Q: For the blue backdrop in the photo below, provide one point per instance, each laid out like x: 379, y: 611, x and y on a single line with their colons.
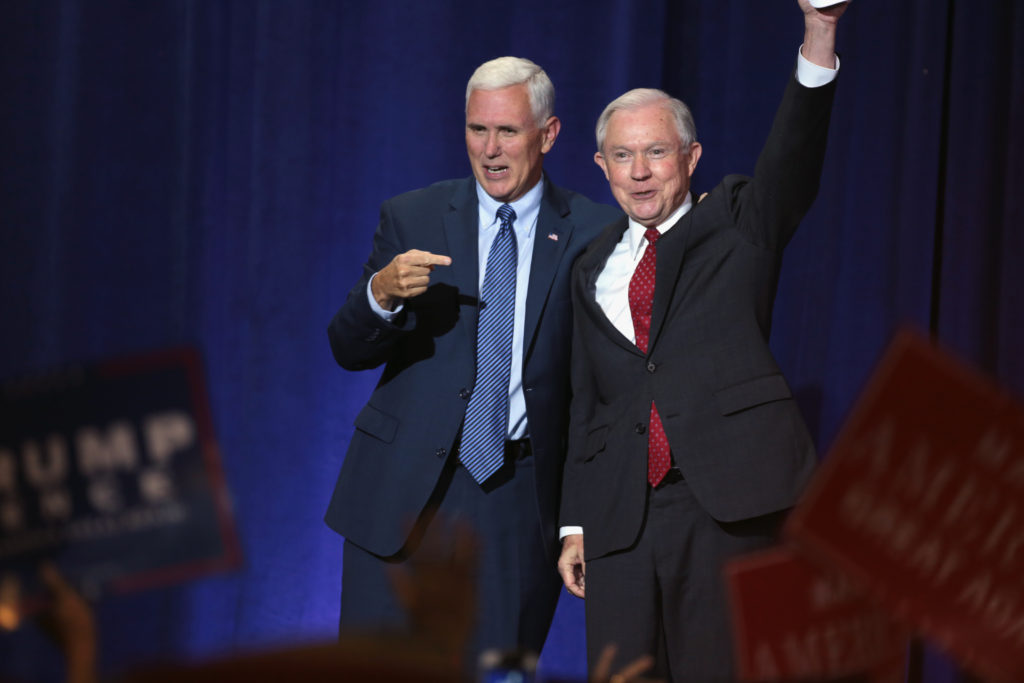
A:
x: 209, y: 173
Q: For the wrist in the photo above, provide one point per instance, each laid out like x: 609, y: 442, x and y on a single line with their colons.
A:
x: 819, y: 44
x: 383, y: 300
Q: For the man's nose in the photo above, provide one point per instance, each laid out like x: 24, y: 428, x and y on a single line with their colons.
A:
x: 492, y: 148
x: 639, y: 169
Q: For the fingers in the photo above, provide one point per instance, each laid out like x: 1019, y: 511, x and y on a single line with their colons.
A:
x: 571, y: 565
x: 418, y: 264
x: 403, y: 586
x: 10, y: 602
x: 579, y: 588
x: 603, y: 668
x: 426, y: 259
x: 407, y: 275
x: 602, y: 671
x: 566, y: 568
x: 633, y: 670
x: 52, y: 579
x: 573, y: 580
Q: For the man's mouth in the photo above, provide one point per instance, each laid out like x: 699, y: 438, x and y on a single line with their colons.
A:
x: 641, y: 196
x: 496, y: 171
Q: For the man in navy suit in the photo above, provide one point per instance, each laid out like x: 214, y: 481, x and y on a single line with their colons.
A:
x: 686, y: 446
x: 416, y: 310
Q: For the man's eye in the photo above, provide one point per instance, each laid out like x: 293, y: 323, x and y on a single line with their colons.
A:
x: 657, y: 152
x: 507, y: 132
x: 620, y: 156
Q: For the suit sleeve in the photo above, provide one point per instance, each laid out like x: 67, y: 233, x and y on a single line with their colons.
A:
x: 360, y: 339
x: 581, y: 410
x: 768, y: 209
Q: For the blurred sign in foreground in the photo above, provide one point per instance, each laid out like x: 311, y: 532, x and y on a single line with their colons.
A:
x: 111, y: 470
x: 795, y: 622
x: 920, y: 502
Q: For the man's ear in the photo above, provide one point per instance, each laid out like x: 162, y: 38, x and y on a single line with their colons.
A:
x: 551, y: 130
x: 695, y: 150
x: 599, y: 160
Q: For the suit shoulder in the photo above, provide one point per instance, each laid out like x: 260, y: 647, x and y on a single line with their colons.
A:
x: 725, y: 193
x: 605, y: 235
x: 585, y: 211
x: 436, y: 194
x: 581, y: 203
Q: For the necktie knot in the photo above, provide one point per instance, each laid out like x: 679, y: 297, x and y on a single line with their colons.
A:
x: 652, y: 235
x: 506, y: 214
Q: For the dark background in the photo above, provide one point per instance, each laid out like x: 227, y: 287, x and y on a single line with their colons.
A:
x: 209, y: 172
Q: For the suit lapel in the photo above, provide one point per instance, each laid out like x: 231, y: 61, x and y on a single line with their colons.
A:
x: 461, y: 227
x: 671, y: 252
x: 591, y: 263
x: 550, y: 239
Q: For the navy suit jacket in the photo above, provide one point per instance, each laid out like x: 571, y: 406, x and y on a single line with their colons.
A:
x: 735, y: 431
x: 407, y: 430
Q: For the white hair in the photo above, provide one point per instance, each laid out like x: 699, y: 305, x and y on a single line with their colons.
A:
x: 505, y: 71
x: 641, y: 97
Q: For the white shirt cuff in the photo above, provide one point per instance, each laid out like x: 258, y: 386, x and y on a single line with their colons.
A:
x: 382, y: 312
x: 568, y: 531
x: 811, y: 75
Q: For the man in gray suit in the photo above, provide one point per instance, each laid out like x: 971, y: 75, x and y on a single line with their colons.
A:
x: 469, y: 419
x: 686, y: 446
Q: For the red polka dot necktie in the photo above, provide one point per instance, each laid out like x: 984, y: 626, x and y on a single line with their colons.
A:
x: 641, y: 302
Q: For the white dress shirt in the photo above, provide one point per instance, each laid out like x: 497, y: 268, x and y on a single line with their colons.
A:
x: 612, y: 286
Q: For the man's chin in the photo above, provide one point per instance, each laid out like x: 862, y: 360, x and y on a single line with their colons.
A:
x: 646, y: 219
x: 504, y: 192
x: 498, y: 189
x: 643, y: 212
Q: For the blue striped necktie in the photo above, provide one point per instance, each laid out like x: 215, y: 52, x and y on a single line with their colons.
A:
x: 482, y: 450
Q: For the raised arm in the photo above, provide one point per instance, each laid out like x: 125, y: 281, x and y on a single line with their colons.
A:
x: 820, y: 33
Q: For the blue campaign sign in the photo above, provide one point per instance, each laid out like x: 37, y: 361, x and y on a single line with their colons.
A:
x: 111, y: 470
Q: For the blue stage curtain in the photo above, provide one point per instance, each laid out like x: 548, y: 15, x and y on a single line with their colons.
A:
x: 209, y: 172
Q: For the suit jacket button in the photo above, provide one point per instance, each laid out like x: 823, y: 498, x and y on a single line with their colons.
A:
x: 464, y: 393
x: 640, y: 428
x: 441, y: 452
x: 651, y: 367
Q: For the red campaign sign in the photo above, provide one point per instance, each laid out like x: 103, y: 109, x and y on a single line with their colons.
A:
x: 921, y: 503
x: 795, y: 622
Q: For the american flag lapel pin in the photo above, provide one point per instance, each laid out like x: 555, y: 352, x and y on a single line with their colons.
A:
x: 553, y: 237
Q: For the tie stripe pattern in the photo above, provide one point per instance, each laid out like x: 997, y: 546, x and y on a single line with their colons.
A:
x: 641, y: 303
x: 482, y: 449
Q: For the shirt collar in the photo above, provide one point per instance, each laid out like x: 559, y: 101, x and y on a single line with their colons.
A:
x: 526, y: 207
x: 636, y: 231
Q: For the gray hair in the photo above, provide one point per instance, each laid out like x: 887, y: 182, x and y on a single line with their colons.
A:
x: 641, y: 97
x: 505, y: 71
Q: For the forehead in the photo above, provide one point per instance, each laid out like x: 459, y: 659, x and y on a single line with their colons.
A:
x: 642, y: 125
x: 508, y: 105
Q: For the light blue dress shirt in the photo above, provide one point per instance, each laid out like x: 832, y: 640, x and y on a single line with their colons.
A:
x: 527, y: 210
